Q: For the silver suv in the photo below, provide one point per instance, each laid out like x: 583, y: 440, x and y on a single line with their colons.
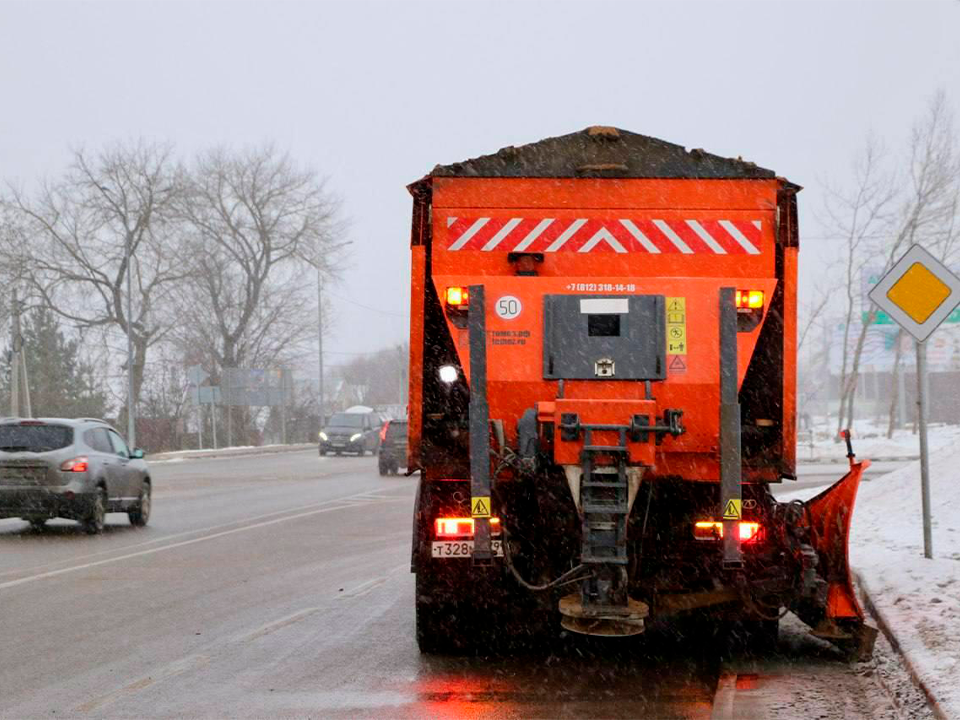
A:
x: 77, y: 469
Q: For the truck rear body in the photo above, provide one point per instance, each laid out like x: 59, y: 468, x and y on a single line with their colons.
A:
x: 603, y: 348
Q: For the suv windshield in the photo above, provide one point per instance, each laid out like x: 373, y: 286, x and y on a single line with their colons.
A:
x: 34, y: 438
x: 349, y: 420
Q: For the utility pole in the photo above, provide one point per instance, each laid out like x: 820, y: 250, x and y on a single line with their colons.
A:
x: 320, y: 339
x: 15, y: 358
x: 283, y: 407
x: 131, y: 419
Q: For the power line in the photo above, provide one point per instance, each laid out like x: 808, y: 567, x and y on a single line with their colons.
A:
x: 367, y: 307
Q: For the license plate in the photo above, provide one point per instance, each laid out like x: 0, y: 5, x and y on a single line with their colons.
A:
x: 337, y: 445
x: 462, y: 548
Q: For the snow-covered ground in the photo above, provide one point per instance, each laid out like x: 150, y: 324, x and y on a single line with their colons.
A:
x: 870, y: 441
x: 918, y: 598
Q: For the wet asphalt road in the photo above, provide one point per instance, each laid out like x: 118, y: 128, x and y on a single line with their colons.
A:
x: 279, y: 585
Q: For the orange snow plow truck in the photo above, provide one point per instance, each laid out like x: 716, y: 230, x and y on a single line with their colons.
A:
x: 602, y: 390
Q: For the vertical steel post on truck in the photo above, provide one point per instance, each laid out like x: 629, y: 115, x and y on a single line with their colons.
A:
x: 479, y: 429
x: 730, y: 492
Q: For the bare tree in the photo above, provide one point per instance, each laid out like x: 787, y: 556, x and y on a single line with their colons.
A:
x: 858, y: 217
x: 885, y: 214
x: 83, y: 226
x: 931, y: 204
x: 254, y: 217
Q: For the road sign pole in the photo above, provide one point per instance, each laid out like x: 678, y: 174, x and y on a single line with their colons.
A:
x: 199, y: 422
x: 213, y: 418
x: 922, y: 391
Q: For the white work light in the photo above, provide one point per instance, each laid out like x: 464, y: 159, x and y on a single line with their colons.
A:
x: 448, y: 374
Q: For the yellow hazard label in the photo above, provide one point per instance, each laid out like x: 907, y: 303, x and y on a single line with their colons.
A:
x: 676, y: 326
x: 731, y: 511
x: 480, y: 506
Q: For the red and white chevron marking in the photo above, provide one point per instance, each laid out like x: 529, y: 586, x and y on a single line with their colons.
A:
x: 688, y: 237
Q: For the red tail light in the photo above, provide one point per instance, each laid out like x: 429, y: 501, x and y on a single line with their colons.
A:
x: 383, y: 431
x: 712, y: 530
x: 456, y: 527
x: 77, y: 464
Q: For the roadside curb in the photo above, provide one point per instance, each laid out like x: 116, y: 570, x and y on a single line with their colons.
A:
x: 843, y: 460
x: 888, y: 633
x: 230, y: 452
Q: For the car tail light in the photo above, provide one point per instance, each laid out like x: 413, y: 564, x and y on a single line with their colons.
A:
x: 383, y: 431
x: 456, y: 527
x: 713, y: 530
x: 749, y: 300
x: 457, y: 297
x: 77, y: 464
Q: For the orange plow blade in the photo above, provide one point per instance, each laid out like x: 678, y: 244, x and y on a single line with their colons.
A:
x: 827, y: 517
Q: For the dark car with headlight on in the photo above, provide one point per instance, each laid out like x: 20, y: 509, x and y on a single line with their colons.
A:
x: 76, y: 469
x: 351, y: 432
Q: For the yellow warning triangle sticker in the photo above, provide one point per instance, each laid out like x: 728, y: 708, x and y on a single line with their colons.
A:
x: 480, y: 506
x: 731, y: 511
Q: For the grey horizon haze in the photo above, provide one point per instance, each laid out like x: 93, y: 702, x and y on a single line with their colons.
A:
x: 373, y: 95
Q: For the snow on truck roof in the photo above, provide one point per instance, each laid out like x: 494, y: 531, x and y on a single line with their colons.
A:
x: 600, y: 151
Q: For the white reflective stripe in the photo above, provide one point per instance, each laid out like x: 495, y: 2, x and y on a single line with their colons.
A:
x: 502, y: 233
x: 604, y: 306
x: 739, y: 237
x: 756, y: 224
x: 451, y: 221
x: 602, y: 234
x: 566, y: 234
x: 673, y: 237
x: 706, y: 237
x: 533, y: 235
x: 639, y: 236
x: 469, y: 233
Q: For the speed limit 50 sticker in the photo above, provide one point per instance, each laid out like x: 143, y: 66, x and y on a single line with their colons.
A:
x: 508, y: 307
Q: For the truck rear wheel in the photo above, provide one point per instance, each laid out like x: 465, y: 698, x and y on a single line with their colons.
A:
x: 442, y: 627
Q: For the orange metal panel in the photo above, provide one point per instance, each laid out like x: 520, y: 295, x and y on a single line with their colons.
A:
x: 415, y: 390
x: 789, y: 421
x: 583, y: 193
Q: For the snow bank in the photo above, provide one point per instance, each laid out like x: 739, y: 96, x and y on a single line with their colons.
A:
x: 870, y: 441
x: 918, y: 598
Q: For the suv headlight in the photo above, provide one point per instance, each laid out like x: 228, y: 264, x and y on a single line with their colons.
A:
x: 323, y: 435
x: 355, y: 437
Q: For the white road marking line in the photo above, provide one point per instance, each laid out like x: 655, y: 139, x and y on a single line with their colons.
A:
x: 469, y: 233
x: 640, y: 237
x: 724, y: 697
x: 177, y: 667
x: 283, y: 622
x: 533, y: 235
x: 739, y: 237
x: 501, y: 234
x: 673, y: 237
x: 567, y: 234
x: 701, y: 231
x: 63, y: 571
x: 185, y: 533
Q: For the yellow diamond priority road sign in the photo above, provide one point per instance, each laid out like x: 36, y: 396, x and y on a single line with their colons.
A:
x: 918, y: 292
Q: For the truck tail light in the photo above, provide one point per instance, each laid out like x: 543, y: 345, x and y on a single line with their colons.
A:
x: 457, y: 297
x: 749, y: 300
x: 383, y: 431
x: 713, y: 530
x: 77, y: 464
x: 459, y: 527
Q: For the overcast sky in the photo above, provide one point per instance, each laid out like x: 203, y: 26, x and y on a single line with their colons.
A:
x: 373, y: 95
